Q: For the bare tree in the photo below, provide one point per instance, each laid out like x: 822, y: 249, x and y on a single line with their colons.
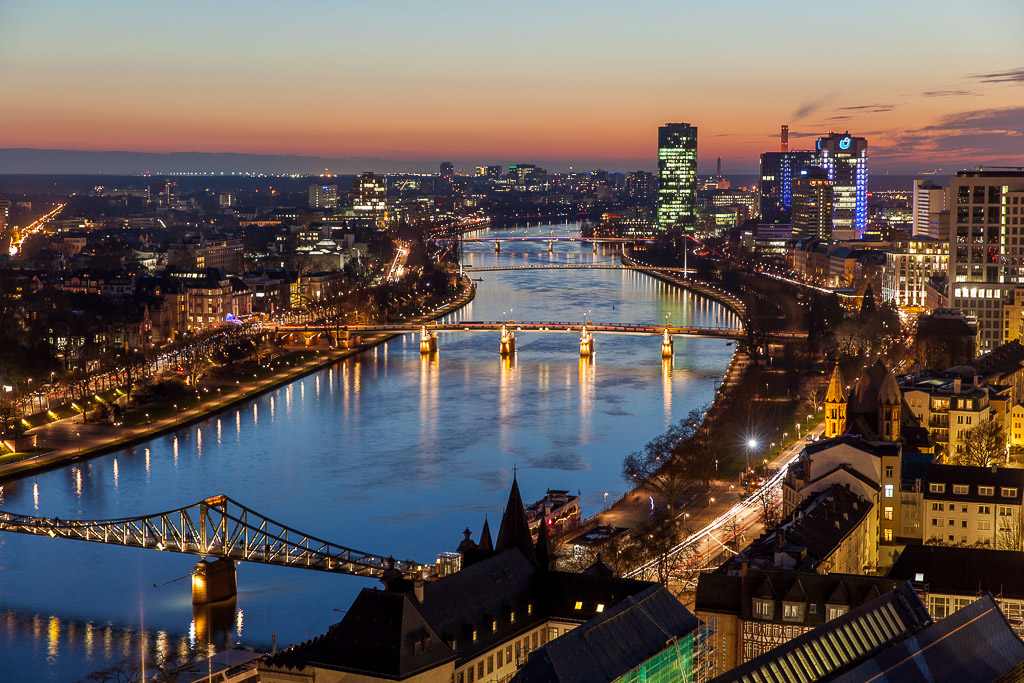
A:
x: 195, y: 362
x: 1010, y: 534
x: 11, y: 410
x: 984, y: 444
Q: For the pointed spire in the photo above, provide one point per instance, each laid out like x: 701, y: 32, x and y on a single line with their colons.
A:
x: 836, y: 393
x: 889, y: 394
x: 486, y: 544
x: 514, y: 531
x: 545, y: 556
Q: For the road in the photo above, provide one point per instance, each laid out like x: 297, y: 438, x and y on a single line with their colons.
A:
x: 32, y: 228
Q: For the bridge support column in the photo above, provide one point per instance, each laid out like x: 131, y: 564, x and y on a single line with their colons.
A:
x: 586, y: 343
x: 428, y: 341
x: 497, y: 245
x: 595, y: 247
x: 666, y: 345
x: 214, y: 581
x: 507, y: 345
x: 551, y: 246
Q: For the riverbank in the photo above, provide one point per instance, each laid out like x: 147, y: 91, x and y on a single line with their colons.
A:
x: 703, y: 288
x: 69, y: 440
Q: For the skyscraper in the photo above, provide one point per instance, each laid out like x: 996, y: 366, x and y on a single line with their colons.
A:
x: 677, y: 176
x: 986, y: 250
x: 845, y: 159
x: 812, y: 204
x: 370, y: 198
x: 323, y: 196
x: 448, y: 170
x: 779, y: 170
x: 930, y: 201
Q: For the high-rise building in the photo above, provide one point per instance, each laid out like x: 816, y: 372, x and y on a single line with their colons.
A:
x: 5, y: 214
x: 447, y: 171
x: 930, y: 203
x: 779, y: 170
x: 323, y: 196
x: 641, y: 186
x: 370, y: 198
x: 494, y: 172
x: 986, y: 249
x: 845, y: 159
x: 227, y: 199
x: 677, y: 176
x: 525, y: 175
x: 812, y: 204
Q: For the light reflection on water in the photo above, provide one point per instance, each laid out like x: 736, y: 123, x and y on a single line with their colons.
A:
x: 390, y: 452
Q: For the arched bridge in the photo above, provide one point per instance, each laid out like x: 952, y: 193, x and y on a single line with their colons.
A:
x: 216, y: 527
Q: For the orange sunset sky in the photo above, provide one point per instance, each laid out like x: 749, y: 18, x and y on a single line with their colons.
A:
x: 584, y: 84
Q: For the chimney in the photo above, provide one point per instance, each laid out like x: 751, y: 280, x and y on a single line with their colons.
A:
x: 417, y: 589
x: 719, y: 173
x: 975, y: 379
x: 785, y: 138
x: 956, y: 385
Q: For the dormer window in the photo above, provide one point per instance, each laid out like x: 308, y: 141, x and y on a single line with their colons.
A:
x: 986, y: 490
x: 578, y: 605
x: 763, y: 609
x: 835, y: 611
x: 937, y: 488
x: 1008, y: 493
x: 494, y: 625
x: 474, y: 634
x: 960, y: 489
x: 600, y: 608
x: 793, y: 611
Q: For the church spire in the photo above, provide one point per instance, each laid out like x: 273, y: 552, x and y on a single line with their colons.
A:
x: 514, y: 531
x: 835, y: 405
x: 486, y: 544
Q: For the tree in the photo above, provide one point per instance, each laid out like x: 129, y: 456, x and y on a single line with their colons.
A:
x: 654, y: 548
x: 983, y: 445
x: 11, y: 410
x: 195, y: 362
x: 769, y: 506
x: 1010, y: 534
x: 657, y: 467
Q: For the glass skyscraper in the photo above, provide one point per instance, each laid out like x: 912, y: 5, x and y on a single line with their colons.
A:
x: 779, y: 171
x: 677, y: 176
x: 845, y: 159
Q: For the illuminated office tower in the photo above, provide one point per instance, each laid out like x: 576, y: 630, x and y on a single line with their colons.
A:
x: 931, y: 210
x: 370, y: 198
x: 812, y: 205
x: 845, y: 159
x: 986, y: 251
x: 677, y: 176
x: 5, y: 214
x: 779, y: 170
x: 323, y: 196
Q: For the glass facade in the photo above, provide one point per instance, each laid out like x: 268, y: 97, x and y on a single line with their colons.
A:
x: 779, y: 171
x: 677, y: 176
x: 845, y: 159
x: 674, y: 664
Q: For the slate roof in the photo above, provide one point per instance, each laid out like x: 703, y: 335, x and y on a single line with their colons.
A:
x: 614, y: 643
x: 962, y: 571
x: 733, y: 594
x: 973, y: 478
x: 514, y: 531
x: 392, y: 635
x: 810, y: 534
x: 973, y: 644
x: 847, y: 640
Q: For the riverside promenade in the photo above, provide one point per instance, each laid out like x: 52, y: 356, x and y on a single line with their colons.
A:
x: 69, y: 440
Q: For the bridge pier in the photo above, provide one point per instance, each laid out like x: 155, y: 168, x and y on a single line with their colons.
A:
x: 666, y: 345
x: 428, y: 341
x: 586, y: 343
x: 497, y: 246
x: 595, y: 247
x: 507, y: 346
x: 214, y: 581
x: 551, y: 247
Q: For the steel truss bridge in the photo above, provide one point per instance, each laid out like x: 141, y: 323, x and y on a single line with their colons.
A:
x: 215, y: 527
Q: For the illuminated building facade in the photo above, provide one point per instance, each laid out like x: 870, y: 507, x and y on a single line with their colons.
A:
x: 845, y: 159
x: 931, y: 210
x: 908, y: 268
x: 779, y: 170
x: 812, y: 204
x: 323, y: 196
x: 677, y: 176
x: 370, y: 198
x: 986, y: 249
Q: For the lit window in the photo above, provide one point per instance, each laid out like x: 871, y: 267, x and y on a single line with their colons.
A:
x: 512, y: 617
x: 579, y: 605
x: 887, y: 513
x: 937, y: 488
x: 919, y: 577
x: 888, y: 534
x: 1008, y: 493
x: 888, y: 490
x: 600, y: 608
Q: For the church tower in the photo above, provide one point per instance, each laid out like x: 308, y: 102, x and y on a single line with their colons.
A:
x: 835, y: 405
x: 890, y: 402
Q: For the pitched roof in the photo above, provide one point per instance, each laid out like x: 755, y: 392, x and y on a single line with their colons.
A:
x: 836, y: 391
x: 514, y: 531
x: 609, y: 646
x: 889, y: 393
x: 962, y: 571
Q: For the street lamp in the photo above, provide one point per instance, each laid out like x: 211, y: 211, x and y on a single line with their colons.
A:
x: 605, y: 500
x: 751, y: 445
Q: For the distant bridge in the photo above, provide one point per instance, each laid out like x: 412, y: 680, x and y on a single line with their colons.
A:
x: 576, y: 266
x: 554, y: 238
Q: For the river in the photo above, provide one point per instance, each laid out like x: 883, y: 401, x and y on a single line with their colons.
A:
x: 387, y: 452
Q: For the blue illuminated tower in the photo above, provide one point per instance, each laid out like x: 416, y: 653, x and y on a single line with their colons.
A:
x: 845, y: 159
x: 779, y: 171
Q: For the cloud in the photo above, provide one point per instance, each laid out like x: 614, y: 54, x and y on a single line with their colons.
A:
x: 1011, y: 76
x: 869, y: 108
x: 1009, y: 121
x: 949, y: 93
x: 808, y: 107
x: 839, y: 118
x: 980, y: 136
